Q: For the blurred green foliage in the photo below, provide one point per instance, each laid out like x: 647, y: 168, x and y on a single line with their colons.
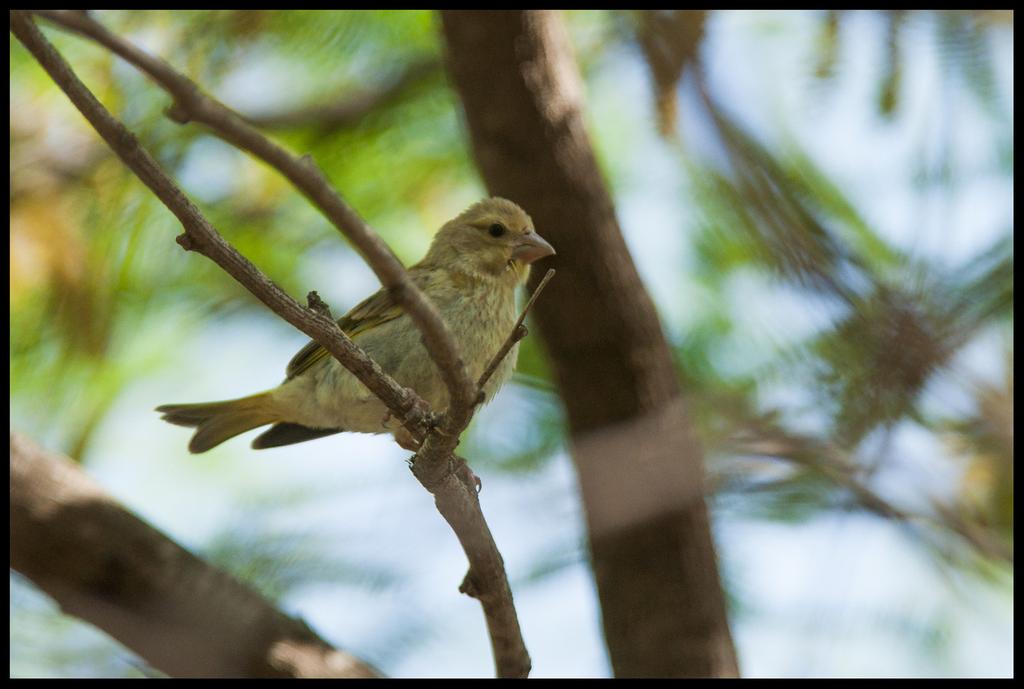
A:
x: 897, y: 321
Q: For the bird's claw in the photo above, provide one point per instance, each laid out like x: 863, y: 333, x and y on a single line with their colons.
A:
x: 406, y: 440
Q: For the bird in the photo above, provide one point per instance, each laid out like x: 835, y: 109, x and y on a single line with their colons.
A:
x: 471, y: 272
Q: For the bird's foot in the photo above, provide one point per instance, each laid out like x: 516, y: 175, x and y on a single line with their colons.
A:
x: 405, y: 440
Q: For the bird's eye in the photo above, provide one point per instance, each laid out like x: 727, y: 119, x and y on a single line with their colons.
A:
x: 496, y: 230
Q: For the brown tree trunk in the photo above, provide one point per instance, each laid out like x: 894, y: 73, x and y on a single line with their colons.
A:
x: 105, y: 565
x: 640, y: 471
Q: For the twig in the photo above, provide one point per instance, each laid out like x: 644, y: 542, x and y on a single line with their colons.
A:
x: 191, y: 104
x: 202, y: 237
x: 434, y: 464
x: 519, y: 331
x: 835, y: 464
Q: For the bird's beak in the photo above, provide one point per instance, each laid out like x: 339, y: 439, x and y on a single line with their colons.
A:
x: 532, y: 247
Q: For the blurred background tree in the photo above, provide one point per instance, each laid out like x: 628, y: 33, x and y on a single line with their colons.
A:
x: 819, y: 203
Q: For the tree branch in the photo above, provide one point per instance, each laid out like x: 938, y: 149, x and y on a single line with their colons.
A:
x: 202, y: 237
x: 192, y: 104
x: 434, y: 465
x: 835, y: 464
x: 640, y: 470
x: 105, y: 565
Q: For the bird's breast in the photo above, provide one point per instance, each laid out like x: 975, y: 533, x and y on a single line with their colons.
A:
x: 480, y: 321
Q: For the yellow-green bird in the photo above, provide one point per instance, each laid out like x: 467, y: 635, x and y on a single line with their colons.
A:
x: 470, y: 273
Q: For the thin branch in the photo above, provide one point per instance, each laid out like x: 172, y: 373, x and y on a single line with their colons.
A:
x: 202, y: 237
x: 192, y: 104
x: 434, y: 465
x: 103, y: 564
x: 519, y: 331
x: 836, y: 465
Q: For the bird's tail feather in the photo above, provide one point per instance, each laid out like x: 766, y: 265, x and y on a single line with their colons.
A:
x: 216, y: 422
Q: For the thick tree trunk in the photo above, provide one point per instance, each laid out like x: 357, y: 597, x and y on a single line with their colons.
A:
x: 105, y: 565
x: 640, y: 470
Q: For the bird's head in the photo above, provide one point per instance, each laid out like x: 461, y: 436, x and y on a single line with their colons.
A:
x: 492, y: 238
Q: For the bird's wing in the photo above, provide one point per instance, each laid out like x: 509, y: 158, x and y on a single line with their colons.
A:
x: 375, y: 310
x: 379, y: 308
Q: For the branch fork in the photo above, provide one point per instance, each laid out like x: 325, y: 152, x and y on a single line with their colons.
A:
x: 455, y: 500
